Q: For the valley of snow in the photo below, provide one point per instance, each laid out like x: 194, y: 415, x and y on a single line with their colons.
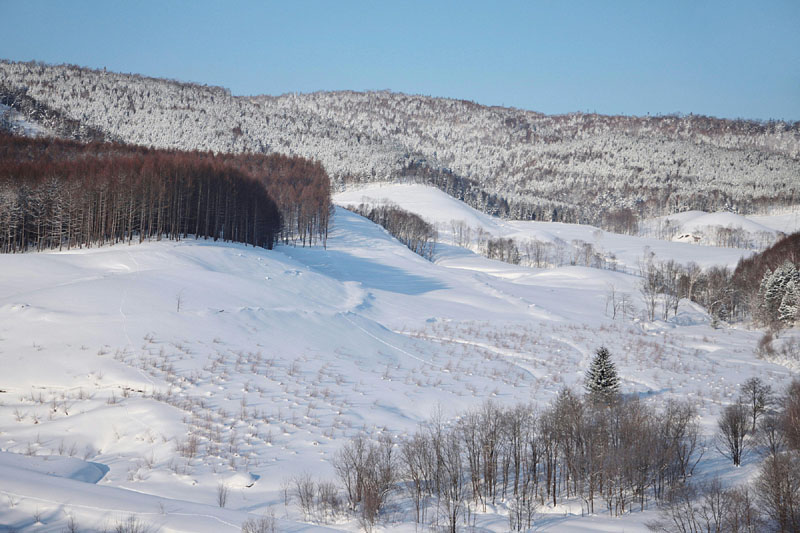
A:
x: 112, y: 357
x: 442, y: 210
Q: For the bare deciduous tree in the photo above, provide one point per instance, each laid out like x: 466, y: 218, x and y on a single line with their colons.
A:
x: 757, y: 395
x: 733, y: 429
x: 222, y: 494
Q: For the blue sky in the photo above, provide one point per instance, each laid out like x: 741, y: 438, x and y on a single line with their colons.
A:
x: 721, y: 58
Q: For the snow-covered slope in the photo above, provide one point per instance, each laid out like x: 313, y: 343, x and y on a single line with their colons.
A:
x: 694, y: 221
x: 443, y: 211
x: 787, y: 222
x: 722, y: 228
x: 14, y: 121
x: 579, y: 165
x: 114, y: 357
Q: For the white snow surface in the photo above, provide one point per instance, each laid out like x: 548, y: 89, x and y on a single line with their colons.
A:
x: 441, y: 210
x: 20, y: 124
x: 701, y: 220
x: 787, y: 222
x: 111, y: 357
x: 702, y: 223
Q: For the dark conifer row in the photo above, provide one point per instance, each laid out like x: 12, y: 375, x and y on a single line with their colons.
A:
x: 62, y: 194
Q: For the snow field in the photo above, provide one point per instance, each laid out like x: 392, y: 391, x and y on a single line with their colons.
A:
x: 140, y: 379
x: 623, y: 251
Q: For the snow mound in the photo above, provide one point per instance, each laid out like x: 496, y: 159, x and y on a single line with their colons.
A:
x: 435, y: 206
x: 788, y: 222
x: 726, y: 220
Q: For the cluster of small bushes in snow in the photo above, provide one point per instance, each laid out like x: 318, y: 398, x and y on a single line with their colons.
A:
x: 757, y: 422
x: 530, y: 252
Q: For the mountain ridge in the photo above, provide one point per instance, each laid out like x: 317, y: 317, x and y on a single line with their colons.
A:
x: 521, y: 164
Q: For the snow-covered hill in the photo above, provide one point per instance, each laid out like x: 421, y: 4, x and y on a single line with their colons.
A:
x: 523, y: 164
x: 448, y: 214
x: 722, y: 229
x: 138, y: 379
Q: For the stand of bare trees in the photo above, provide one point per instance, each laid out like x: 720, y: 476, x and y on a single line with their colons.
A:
x: 664, y: 283
x: 62, y: 194
x: 771, y: 502
x: 408, y: 228
x: 750, y: 291
x: 300, y: 188
x: 619, y: 457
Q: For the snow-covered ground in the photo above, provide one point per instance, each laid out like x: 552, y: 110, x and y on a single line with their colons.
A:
x: 695, y: 221
x: 442, y: 210
x: 787, y: 221
x: 19, y: 124
x: 111, y: 357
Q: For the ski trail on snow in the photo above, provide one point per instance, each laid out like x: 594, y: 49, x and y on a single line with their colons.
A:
x: 423, y: 361
x: 124, y: 299
x: 125, y: 317
x: 125, y: 331
x: 62, y: 504
x: 508, y: 354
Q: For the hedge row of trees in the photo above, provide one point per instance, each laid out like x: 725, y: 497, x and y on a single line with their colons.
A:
x: 406, y: 227
x: 63, y: 194
x: 300, y: 187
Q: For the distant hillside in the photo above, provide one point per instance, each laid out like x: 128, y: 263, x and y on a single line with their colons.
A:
x: 520, y: 164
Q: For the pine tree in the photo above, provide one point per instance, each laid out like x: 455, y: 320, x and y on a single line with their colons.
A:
x: 778, y: 294
x: 602, y: 381
x: 787, y: 312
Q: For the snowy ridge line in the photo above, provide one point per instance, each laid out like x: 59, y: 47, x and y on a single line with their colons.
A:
x: 529, y: 160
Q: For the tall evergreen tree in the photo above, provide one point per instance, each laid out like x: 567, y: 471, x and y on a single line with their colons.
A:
x: 790, y: 304
x: 602, y: 381
x: 778, y: 293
